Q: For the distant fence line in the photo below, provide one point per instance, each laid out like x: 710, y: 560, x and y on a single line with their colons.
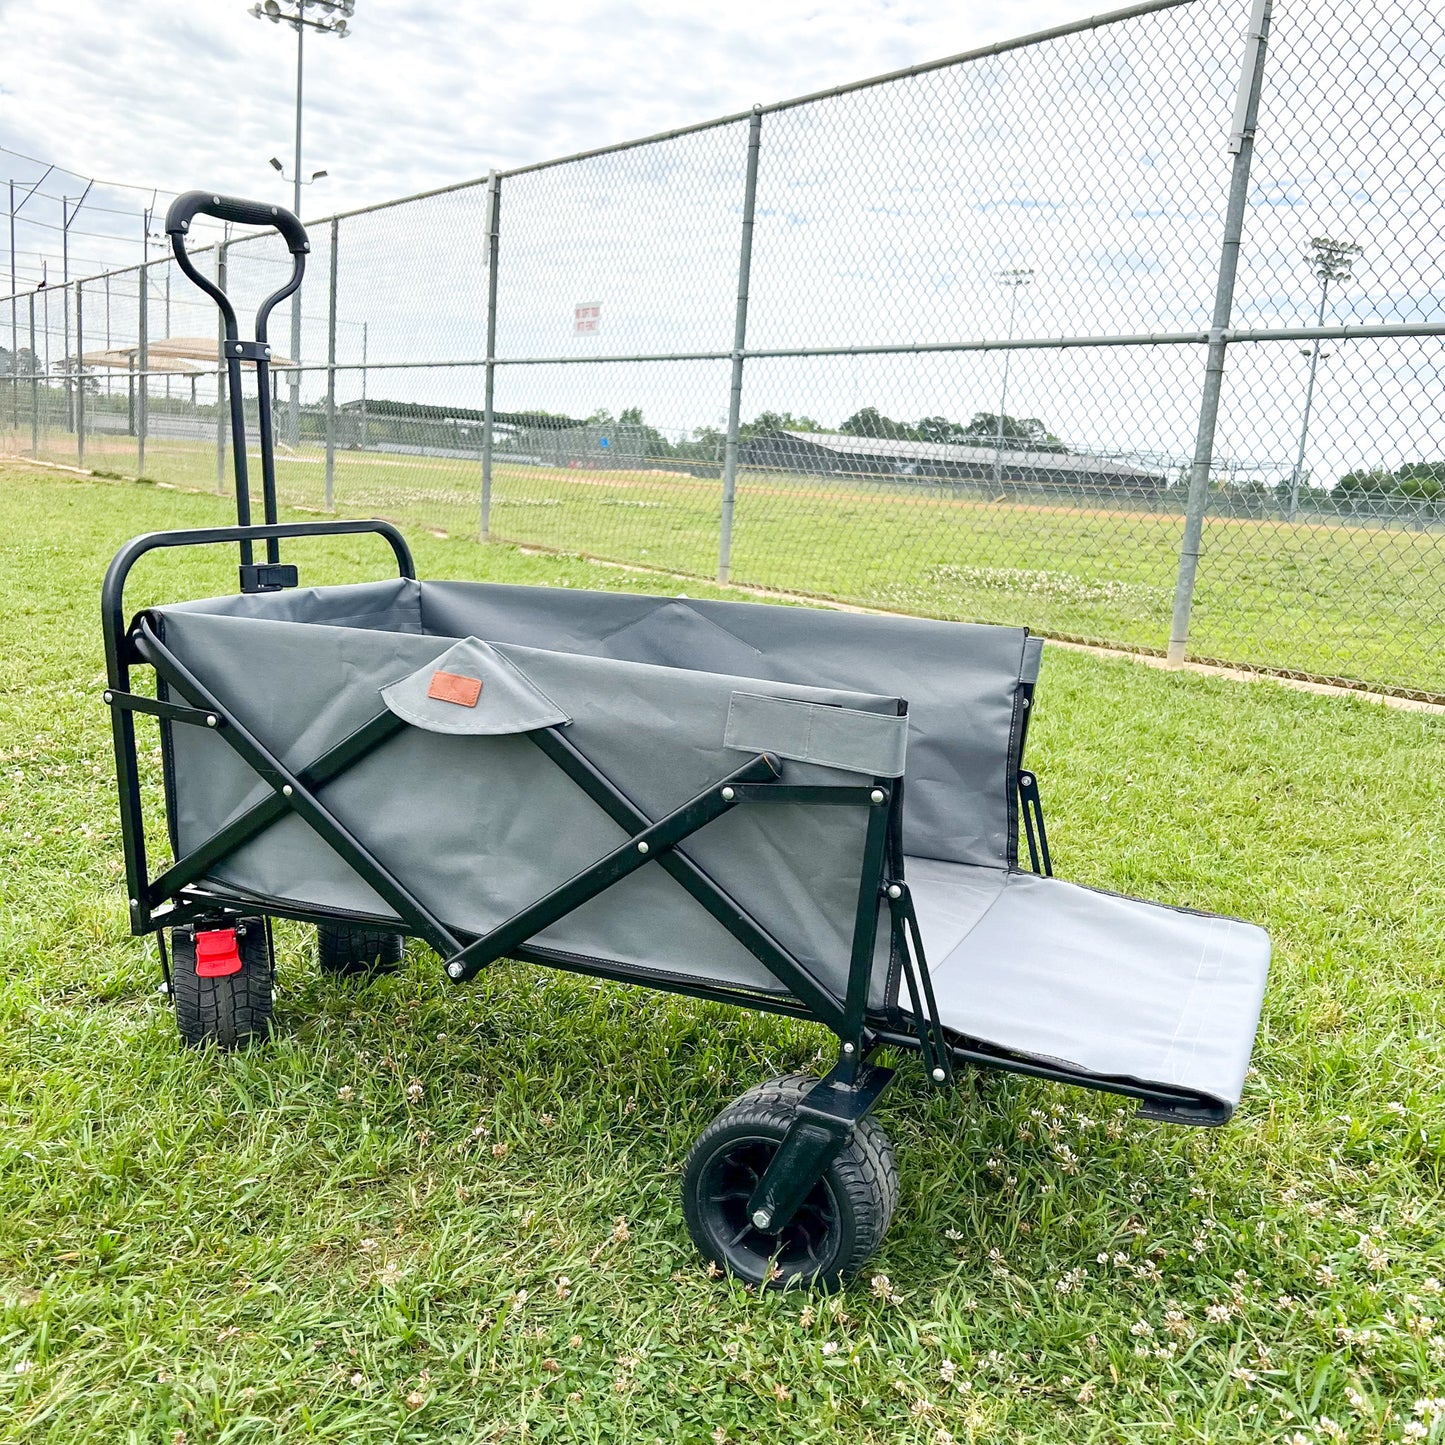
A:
x: 1119, y: 331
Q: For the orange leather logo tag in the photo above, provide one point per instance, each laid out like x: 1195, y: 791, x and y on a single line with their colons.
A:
x: 448, y: 687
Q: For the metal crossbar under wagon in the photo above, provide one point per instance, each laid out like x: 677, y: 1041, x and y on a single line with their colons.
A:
x: 812, y: 813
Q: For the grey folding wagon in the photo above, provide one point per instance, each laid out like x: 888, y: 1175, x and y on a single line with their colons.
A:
x: 808, y: 812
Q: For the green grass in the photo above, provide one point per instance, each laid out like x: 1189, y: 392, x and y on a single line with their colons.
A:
x: 1353, y: 603
x: 359, y: 1233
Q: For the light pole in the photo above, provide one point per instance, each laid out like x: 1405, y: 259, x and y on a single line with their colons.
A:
x: 1015, y: 280
x: 1331, y: 261
x: 363, y: 385
x: 334, y: 21
x: 67, y: 216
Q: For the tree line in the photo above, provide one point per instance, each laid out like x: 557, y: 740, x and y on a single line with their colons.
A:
x: 1415, y: 481
x: 705, y: 443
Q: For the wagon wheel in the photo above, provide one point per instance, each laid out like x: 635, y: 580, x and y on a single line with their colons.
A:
x: 346, y: 950
x: 840, y: 1223
x: 231, y: 1009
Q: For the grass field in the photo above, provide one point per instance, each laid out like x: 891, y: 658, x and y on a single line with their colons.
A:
x: 1354, y: 603
x: 425, y: 1214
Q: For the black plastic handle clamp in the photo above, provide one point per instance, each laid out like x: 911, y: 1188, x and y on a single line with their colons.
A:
x: 185, y: 208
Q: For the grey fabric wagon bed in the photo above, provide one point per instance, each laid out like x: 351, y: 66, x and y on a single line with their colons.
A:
x: 666, y: 696
x: 811, y: 812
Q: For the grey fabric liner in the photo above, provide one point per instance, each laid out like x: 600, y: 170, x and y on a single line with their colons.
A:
x: 960, y: 679
x: 509, y: 702
x: 480, y: 825
x: 858, y: 742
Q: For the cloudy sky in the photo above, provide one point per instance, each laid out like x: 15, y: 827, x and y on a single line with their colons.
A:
x: 178, y: 93
x: 1099, y: 165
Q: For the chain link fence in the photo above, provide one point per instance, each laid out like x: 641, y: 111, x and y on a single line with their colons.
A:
x: 1133, y: 332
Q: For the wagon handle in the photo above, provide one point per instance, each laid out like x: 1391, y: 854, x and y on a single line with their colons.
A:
x: 183, y: 210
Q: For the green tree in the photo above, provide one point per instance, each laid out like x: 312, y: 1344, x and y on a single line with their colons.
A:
x: 1422, y: 480
x: 707, y: 444
x: 1025, y: 433
x: 778, y: 421
x: 21, y: 362
x: 1375, y: 482
x: 940, y: 429
x: 870, y: 422
x: 654, y: 444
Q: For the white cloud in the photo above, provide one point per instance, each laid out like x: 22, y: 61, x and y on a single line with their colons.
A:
x: 173, y: 93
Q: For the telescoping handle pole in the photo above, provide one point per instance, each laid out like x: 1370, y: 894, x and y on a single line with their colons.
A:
x: 183, y: 210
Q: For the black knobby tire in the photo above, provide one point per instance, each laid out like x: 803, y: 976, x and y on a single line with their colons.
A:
x: 232, y: 1010
x: 840, y: 1224
x: 348, y: 950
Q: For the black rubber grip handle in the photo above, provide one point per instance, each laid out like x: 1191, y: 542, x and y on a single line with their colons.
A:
x: 244, y: 213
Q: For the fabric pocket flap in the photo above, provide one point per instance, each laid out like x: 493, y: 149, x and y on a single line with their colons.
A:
x: 472, y: 690
x: 808, y: 732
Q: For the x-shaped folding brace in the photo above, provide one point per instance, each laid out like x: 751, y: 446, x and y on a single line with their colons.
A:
x: 648, y: 840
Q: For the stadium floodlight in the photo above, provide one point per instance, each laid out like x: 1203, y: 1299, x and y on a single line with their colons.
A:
x: 331, y: 18
x: 314, y: 177
x: 1015, y: 279
x: 1330, y: 260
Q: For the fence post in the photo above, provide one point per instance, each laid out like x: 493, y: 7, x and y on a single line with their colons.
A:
x: 1246, y: 115
x: 331, y: 376
x: 79, y: 378
x: 143, y: 361
x: 65, y: 320
x: 221, y: 392
x: 34, y: 387
x: 494, y: 206
x: 14, y: 326
x: 740, y: 341
x: 362, y: 438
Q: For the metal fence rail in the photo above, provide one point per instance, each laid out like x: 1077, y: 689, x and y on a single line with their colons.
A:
x: 1132, y: 331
